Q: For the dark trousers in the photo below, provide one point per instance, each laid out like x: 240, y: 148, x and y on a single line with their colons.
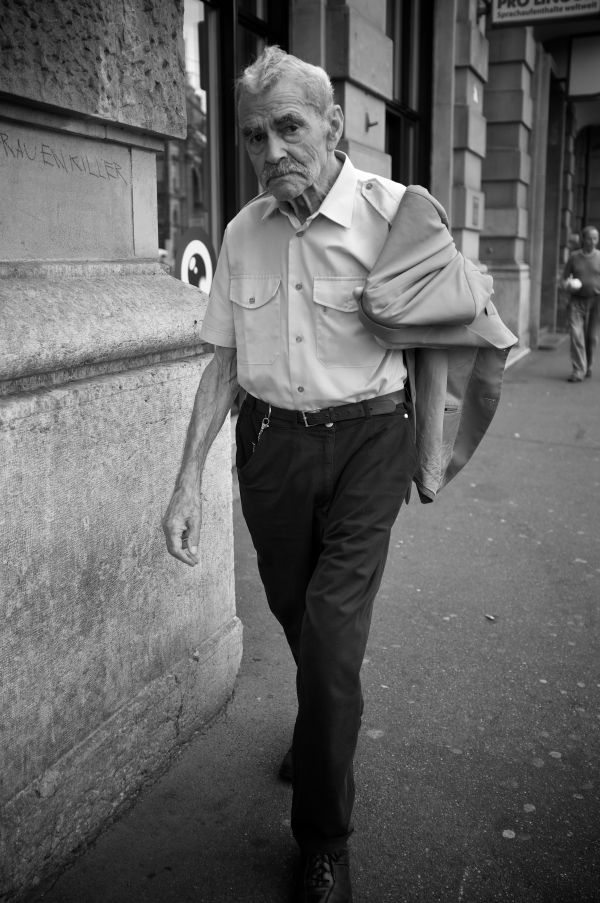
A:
x: 320, y: 503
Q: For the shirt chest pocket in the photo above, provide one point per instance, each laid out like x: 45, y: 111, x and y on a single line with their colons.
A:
x: 256, y: 316
x: 342, y: 340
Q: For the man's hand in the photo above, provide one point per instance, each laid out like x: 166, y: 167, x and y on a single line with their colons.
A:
x: 216, y: 392
x: 181, y: 526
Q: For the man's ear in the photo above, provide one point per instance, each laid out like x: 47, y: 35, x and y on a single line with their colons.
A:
x: 336, y: 127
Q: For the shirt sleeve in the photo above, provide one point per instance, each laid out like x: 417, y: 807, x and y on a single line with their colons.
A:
x: 218, y: 326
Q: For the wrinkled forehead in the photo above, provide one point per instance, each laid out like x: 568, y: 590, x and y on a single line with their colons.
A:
x: 284, y: 98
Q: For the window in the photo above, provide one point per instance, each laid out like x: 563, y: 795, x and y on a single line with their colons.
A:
x: 249, y: 45
x: 408, y: 115
x: 255, y: 24
x: 204, y: 179
x: 200, y: 160
x: 254, y: 7
x: 188, y: 193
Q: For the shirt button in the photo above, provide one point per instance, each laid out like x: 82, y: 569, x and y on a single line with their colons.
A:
x: 299, y: 338
x: 251, y: 300
x: 298, y: 286
x: 369, y: 185
x: 301, y: 388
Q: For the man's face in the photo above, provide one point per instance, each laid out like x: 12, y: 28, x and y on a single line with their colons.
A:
x: 590, y: 239
x: 287, y: 140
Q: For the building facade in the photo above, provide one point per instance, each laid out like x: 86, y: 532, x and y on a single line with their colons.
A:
x: 492, y: 105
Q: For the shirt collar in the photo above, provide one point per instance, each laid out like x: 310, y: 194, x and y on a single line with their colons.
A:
x: 339, y: 201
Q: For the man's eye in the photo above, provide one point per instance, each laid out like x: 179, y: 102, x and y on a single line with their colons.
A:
x: 290, y: 129
x: 255, y: 139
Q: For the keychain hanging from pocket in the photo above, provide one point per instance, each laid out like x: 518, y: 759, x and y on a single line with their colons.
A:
x: 265, y: 424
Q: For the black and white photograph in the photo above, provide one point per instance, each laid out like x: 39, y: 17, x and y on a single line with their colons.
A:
x: 299, y: 451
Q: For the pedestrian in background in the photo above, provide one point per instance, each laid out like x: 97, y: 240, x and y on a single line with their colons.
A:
x: 581, y: 279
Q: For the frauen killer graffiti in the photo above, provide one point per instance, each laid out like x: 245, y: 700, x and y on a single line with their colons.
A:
x: 46, y: 155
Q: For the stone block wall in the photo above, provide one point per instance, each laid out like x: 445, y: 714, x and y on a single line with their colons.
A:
x: 444, y: 92
x: 112, y: 654
x: 119, y: 61
x: 98, y: 196
x: 508, y: 108
x: 459, y: 126
x: 348, y: 39
x: 469, y: 132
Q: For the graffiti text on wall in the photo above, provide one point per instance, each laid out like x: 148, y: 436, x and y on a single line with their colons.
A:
x: 45, y: 155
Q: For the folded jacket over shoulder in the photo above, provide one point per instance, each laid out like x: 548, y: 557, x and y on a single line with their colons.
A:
x: 424, y: 297
x: 422, y: 292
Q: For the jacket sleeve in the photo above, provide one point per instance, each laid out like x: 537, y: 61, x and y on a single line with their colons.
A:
x: 455, y: 394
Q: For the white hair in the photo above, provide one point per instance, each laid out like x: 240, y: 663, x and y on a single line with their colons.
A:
x: 273, y: 64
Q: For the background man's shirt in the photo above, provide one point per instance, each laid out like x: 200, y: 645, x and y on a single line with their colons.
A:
x: 282, y: 295
x: 587, y: 268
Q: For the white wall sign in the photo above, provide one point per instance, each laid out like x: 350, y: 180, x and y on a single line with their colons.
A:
x: 519, y: 12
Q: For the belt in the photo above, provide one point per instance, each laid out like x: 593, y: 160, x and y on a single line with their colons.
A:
x: 381, y: 404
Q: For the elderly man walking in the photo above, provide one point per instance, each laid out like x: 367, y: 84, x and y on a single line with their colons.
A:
x: 325, y: 436
x: 581, y: 277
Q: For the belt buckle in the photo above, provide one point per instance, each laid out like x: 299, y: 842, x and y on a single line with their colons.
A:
x: 306, y: 423
x: 317, y: 411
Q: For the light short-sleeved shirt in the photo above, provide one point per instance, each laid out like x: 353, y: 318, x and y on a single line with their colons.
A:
x: 282, y: 296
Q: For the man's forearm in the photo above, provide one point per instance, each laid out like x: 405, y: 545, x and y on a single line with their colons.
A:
x: 216, y: 393
x: 183, y: 517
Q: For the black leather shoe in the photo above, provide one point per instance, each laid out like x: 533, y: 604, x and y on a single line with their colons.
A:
x: 286, y: 769
x: 326, y: 878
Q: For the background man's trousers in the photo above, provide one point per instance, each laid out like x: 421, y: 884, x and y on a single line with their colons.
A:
x: 583, y: 315
x: 320, y: 503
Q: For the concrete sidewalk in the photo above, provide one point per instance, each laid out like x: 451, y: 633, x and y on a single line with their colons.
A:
x: 478, y: 767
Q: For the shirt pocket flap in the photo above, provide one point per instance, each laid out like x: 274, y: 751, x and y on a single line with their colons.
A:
x: 336, y: 292
x: 252, y: 292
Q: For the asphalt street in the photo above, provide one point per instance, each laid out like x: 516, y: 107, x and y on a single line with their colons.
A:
x: 478, y: 766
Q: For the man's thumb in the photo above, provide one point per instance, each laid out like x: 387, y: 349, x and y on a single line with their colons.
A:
x: 193, y: 534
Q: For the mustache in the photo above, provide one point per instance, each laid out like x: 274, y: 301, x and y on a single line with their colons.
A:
x: 282, y: 168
